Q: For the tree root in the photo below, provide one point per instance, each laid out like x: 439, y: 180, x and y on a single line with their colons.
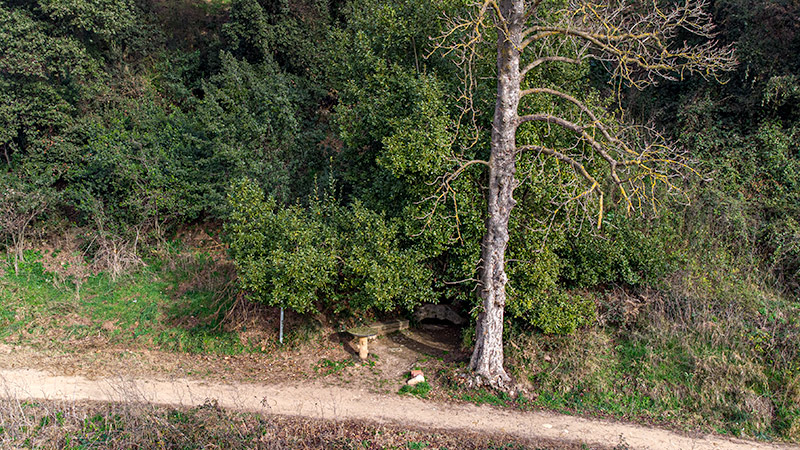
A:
x: 505, y: 385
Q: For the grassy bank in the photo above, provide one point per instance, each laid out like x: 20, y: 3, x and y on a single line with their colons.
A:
x: 713, y: 359
x: 175, y: 302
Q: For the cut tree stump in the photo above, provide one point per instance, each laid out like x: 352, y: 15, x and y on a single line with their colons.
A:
x: 365, y: 333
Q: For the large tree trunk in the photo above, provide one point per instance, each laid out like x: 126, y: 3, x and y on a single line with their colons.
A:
x: 487, y: 358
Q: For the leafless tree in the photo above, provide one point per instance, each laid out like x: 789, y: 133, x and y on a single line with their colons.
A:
x: 636, y: 41
x: 18, y: 209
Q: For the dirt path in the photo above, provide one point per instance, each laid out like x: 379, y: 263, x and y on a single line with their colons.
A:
x: 313, y: 399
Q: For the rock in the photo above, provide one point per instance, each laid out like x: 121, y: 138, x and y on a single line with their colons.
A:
x: 439, y: 312
x: 416, y: 380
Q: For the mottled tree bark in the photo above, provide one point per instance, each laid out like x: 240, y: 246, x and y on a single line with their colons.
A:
x: 487, y: 358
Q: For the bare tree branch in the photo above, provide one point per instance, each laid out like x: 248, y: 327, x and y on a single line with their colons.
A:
x: 539, y: 61
x: 636, y: 38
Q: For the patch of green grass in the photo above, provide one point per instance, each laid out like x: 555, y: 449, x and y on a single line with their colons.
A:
x: 151, y: 307
x: 327, y: 366
x: 420, y: 390
x: 6, y: 315
x: 482, y: 396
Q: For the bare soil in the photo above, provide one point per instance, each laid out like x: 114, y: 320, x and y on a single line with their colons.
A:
x: 297, y: 382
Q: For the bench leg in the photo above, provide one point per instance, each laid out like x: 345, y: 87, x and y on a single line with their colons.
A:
x: 363, y: 348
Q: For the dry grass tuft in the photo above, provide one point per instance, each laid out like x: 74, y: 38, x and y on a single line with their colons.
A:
x: 57, y: 425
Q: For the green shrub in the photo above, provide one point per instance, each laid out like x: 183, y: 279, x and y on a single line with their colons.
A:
x: 562, y: 313
x: 346, y: 259
x: 624, y: 254
x: 537, y: 296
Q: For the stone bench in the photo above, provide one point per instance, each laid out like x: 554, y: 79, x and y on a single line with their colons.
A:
x: 365, y: 333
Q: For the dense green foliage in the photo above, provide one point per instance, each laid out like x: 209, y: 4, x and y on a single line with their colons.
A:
x: 133, y: 134
x: 346, y: 258
x: 123, y: 120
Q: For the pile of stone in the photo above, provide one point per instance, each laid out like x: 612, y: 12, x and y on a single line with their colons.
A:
x: 417, y: 377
